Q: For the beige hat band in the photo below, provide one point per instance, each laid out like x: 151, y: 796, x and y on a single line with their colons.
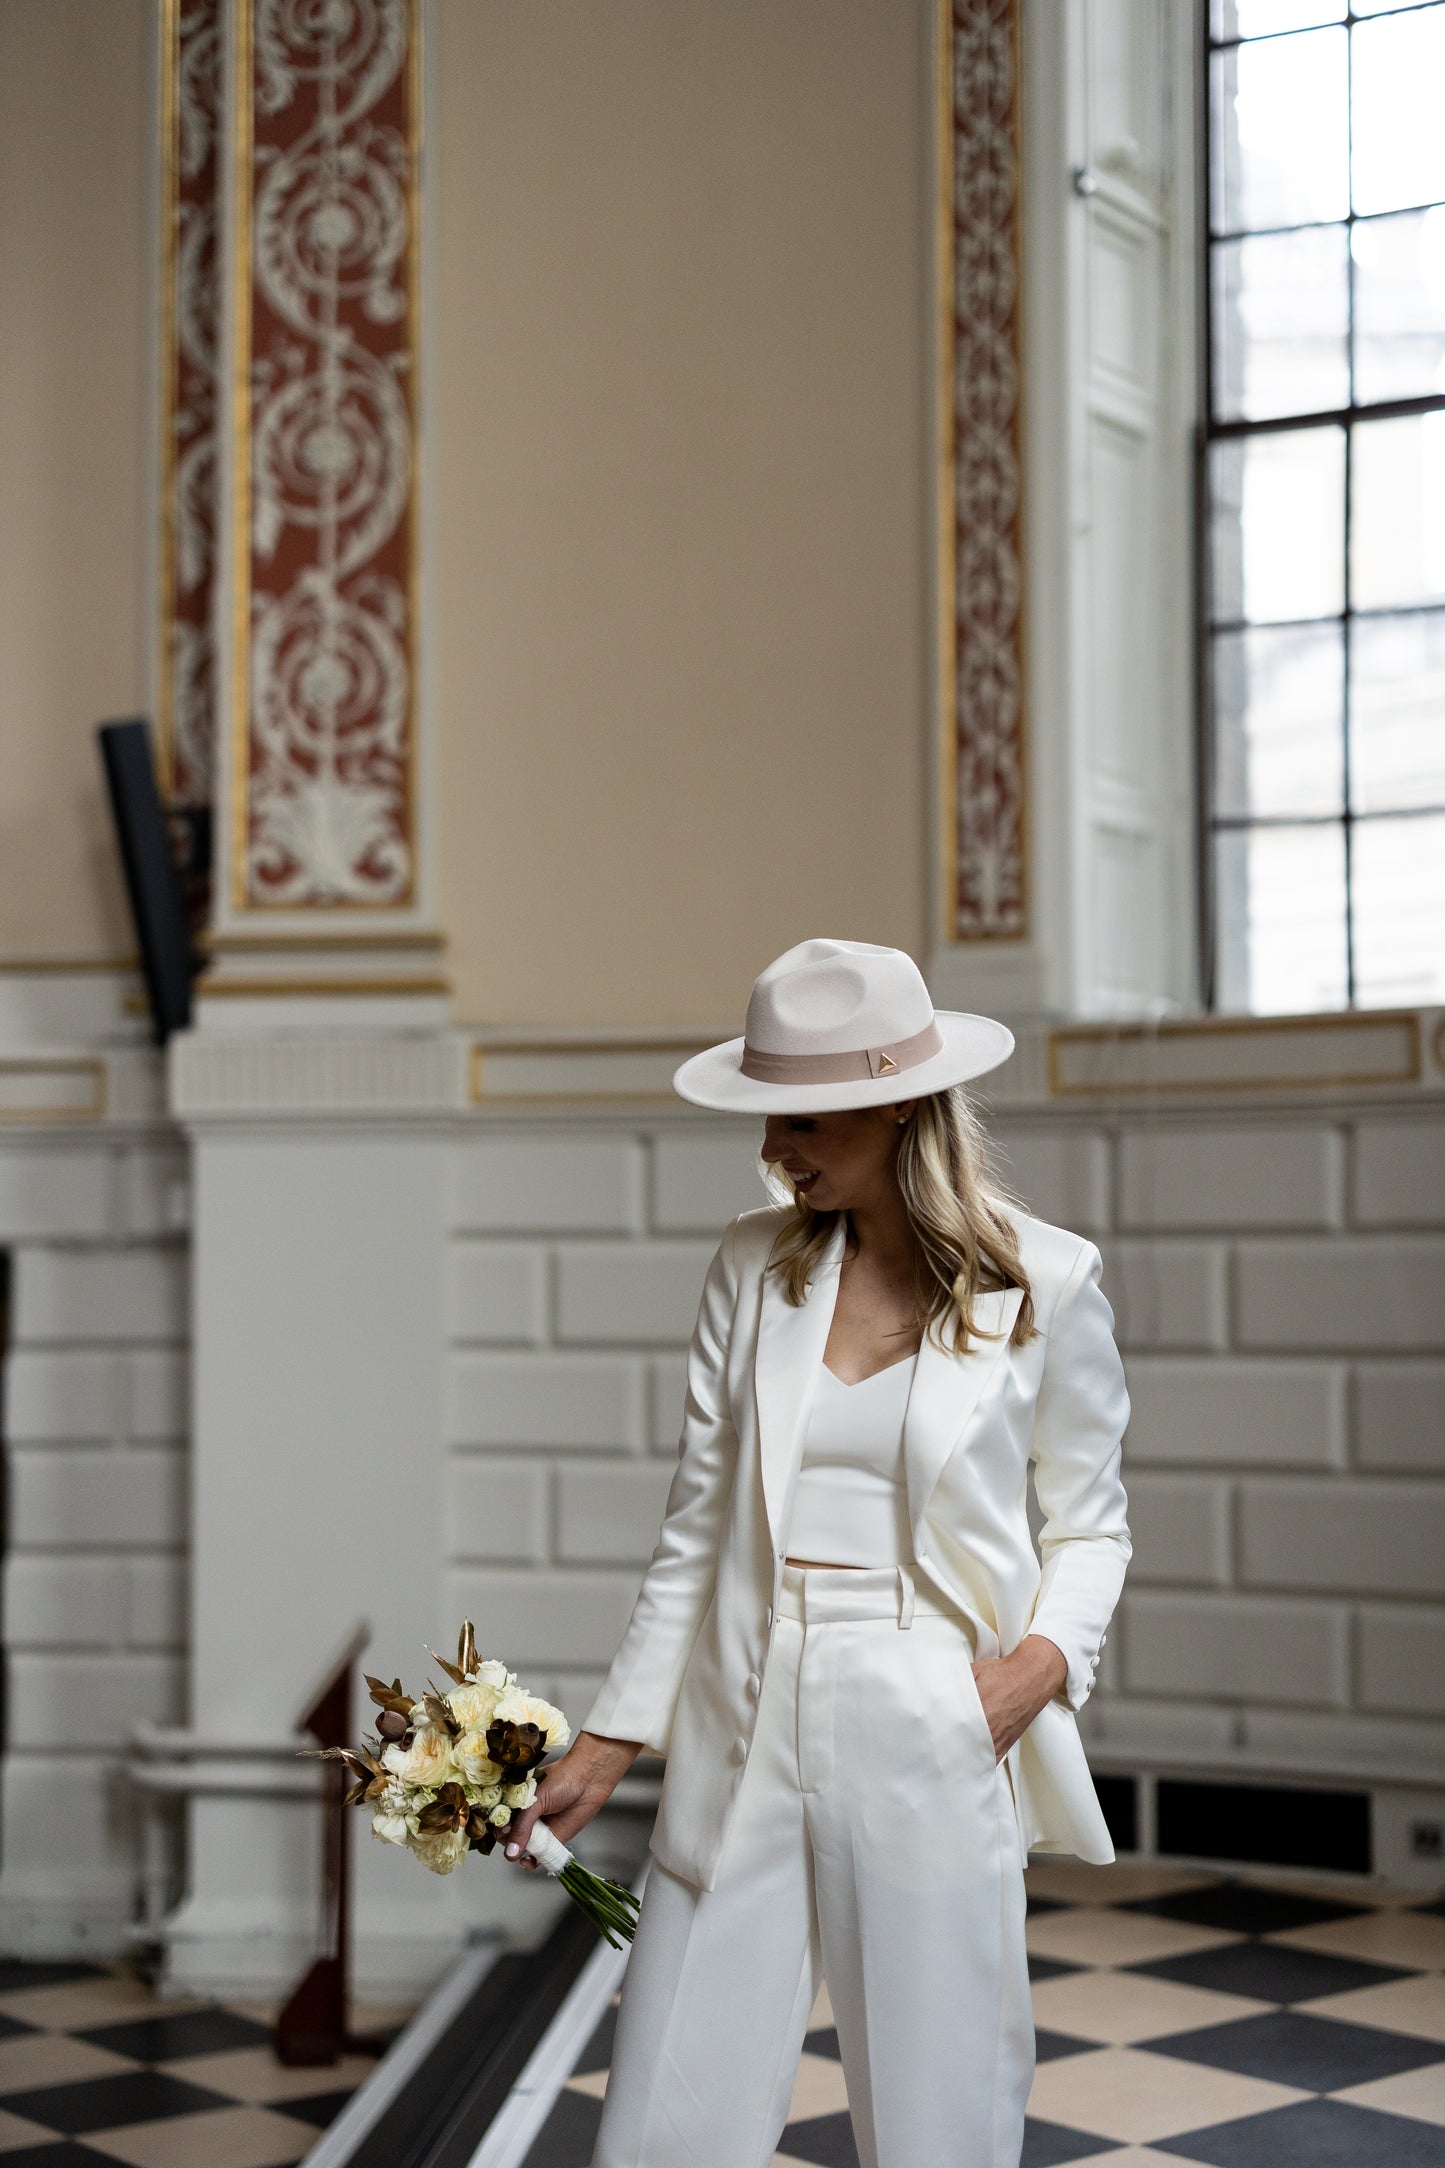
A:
x: 857, y: 1065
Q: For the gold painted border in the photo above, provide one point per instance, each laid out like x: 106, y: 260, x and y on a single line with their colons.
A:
x: 207, y: 989
x: 168, y: 99
x: 96, y: 1070
x: 478, y: 1095
x: 946, y: 584
x: 946, y: 600
x: 242, y: 902
x: 275, y: 944
x: 1213, y: 1027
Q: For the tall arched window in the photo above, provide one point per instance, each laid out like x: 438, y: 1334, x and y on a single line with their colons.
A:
x: 1324, y: 625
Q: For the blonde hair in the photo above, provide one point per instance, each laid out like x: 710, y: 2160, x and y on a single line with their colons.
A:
x: 959, y: 1208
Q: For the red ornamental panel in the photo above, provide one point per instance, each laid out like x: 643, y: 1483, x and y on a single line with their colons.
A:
x: 190, y: 96
x: 327, y: 126
x: 982, y: 646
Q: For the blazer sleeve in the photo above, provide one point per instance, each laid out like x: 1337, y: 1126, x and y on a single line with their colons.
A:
x: 1079, y: 1422
x: 638, y: 1697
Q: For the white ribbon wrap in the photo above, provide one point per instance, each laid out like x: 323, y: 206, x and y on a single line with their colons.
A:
x: 548, y: 1851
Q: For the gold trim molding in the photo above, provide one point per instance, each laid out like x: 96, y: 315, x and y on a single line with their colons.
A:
x: 1131, y: 1044
x: 94, y: 1111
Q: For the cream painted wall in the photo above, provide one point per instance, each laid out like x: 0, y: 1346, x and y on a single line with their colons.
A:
x: 679, y: 516
x: 75, y: 299
x: 678, y: 512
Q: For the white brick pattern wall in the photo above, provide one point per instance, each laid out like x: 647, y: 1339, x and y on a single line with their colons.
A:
x: 94, y: 1610
x: 1280, y: 1299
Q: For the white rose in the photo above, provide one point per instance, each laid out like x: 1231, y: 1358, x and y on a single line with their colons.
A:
x: 427, y: 1761
x: 472, y: 1705
x: 440, y: 1849
x: 471, y: 1757
x: 518, y: 1708
x: 499, y: 1817
x: 494, y: 1673
x: 489, y: 1795
x: 520, y: 1795
x: 393, y: 1828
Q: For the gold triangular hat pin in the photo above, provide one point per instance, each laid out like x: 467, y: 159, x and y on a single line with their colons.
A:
x: 885, y: 1063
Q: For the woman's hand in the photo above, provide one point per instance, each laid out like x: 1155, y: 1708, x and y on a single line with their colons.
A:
x: 1014, y: 1688
x: 572, y: 1790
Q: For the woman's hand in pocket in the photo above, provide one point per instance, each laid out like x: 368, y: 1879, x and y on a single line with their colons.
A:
x: 1014, y: 1688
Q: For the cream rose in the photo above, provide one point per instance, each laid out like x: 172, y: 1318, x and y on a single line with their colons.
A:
x: 490, y: 1795
x: 426, y: 1762
x: 440, y: 1849
x: 472, y: 1705
x: 520, y: 1795
x: 472, y: 1759
x: 517, y: 1708
x: 499, y: 1817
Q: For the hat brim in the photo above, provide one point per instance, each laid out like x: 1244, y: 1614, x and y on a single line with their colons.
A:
x: 971, y: 1046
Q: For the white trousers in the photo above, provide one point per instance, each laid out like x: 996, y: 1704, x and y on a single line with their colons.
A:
x: 873, y: 1845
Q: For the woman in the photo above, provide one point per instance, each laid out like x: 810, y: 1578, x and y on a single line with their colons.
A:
x: 863, y: 1678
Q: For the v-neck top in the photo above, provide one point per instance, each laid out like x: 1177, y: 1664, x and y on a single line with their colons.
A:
x: 850, y: 1504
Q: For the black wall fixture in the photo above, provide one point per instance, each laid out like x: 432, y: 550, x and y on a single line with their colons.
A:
x: 158, y: 908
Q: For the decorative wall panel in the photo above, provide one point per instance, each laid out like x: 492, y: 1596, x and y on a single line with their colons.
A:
x: 326, y: 124
x: 980, y: 487
x: 190, y: 179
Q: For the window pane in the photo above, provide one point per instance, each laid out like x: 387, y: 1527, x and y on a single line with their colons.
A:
x: 1398, y: 877
x: 1278, y: 520
x: 1397, y: 703
x: 1400, y: 306
x: 1280, y: 918
x: 1397, y: 512
x: 1398, y: 152
x: 1280, y: 132
x: 1386, y: 7
x: 1259, y: 18
x: 1279, y: 721
x: 1281, y: 323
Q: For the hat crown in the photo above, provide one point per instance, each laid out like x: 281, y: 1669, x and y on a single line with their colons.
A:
x: 832, y: 997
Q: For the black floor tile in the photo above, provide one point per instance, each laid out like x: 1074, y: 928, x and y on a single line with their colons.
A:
x: 64, y: 2155
x: 1037, y: 1905
x: 134, y: 2096
x: 18, y: 1972
x: 824, y: 2139
x: 1048, y: 2145
x: 824, y: 2042
x: 1270, y: 1971
x: 317, y: 2108
x: 597, y: 2055
x: 1244, y: 1909
x: 186, y: 2032
x: 569, y: 2134
x: 1291, y: 2047
x: 1315, y: 2134
x: 1049, y: 2046
x: 11, y: 2026
x: 1051, y: 1968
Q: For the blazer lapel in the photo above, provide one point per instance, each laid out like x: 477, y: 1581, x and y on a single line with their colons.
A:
x: 945, y: 1391
x: 790, y: 1345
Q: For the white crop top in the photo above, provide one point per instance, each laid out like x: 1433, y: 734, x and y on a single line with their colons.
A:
x: 850, y: 1505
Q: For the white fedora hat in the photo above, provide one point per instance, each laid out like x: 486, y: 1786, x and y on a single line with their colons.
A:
x: 841, y: 1024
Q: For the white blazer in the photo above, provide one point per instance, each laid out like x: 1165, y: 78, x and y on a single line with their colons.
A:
x: 689, y: 1669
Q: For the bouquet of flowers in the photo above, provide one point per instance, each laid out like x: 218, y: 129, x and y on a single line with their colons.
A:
x: 445, y: 1775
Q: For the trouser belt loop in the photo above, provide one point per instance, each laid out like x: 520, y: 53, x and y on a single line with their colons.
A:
x: 905, y: 1598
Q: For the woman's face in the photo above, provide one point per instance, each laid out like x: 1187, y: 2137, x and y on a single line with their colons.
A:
x: 838, y: 1161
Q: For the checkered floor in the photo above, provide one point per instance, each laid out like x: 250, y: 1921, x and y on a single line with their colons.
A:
x: 1180, y: 2018
x: 95, y: 2067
